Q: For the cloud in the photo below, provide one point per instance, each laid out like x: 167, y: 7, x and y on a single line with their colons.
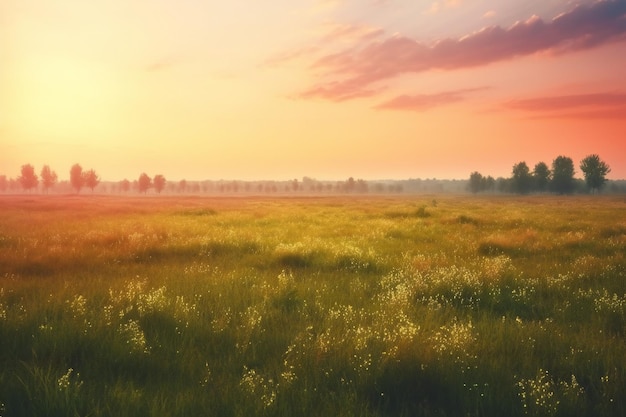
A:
x: 489, y: 14
x: 337, y: 92
x: 439, y: 5
x: 423, y: 102
x: 351, y: 72
x: 330, y: 34
x: 603, y: 105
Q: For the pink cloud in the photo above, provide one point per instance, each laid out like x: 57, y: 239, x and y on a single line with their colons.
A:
x: 350, y: 73
x: 423, y: 102
x: 335, y: 34
x: 581, y: 106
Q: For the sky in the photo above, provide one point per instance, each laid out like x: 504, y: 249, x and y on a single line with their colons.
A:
x: 329, y: 89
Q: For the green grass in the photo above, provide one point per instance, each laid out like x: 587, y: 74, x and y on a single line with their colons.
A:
x: 312, y: 306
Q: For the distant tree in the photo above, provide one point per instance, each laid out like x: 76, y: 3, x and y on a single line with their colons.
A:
x: 489, y: 183
x: 522, y: 180
x: 91, y: 179
x: 159, y: 183
x: 563, y: 175
x: 350, y: 185
x: 503, y: 184
x: 144, y: 183
x: 362, y: 186
x: 476, y: 182
x: 48, y: 178
x: 182, y: 186
x: 125, y: 185
x: 77, y: 178
x: 28, y: 179
x: 595, y: 171
x: 4, y: 183
x: 541, y: 176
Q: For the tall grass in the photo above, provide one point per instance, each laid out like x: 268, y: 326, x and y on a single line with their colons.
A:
x: 321, y: 306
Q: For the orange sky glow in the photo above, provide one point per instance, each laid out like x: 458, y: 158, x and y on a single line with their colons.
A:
x: 373, y: 89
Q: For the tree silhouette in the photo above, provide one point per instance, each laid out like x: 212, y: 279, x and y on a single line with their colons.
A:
x: 28, y: 179
x: 144, y: 183
x: 349, y: 185
x: 91, y: 179
x: 48, y: 178
x: 562, y: 175
x: 182, y: 185
x: 595, y: 171
x: 362, y: 186
x: 76, y: 177
x: 476, y: 182
x: 541, y: 175
x: 125, y: 185
x: 159, y: 183
x: 522, y: 180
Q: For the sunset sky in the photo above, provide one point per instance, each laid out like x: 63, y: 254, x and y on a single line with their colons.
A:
x: 281, y: 89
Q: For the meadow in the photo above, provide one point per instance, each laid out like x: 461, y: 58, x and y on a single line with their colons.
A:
x: 322, y: 306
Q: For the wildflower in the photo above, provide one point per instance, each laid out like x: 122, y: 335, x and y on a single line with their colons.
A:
x: 135, y: 336
x: 65, y: 383
x: 537, y: 394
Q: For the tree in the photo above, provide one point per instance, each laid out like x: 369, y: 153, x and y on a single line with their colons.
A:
x: 182, y: 186
x: 595, y: 171
x: 76, y: 177
x: 91, y: 179
x: 562, y: 175
x: 28, y: 179
x: 124, y: 185
x: 522, y: 180
x: 48, y: 178
x: 476, y: 182
x: 4, y: 183
x: 489, y: 183
x: 144, y: 183
x: 350, y: 185
x: 159, y: 183
x: 541, y: 175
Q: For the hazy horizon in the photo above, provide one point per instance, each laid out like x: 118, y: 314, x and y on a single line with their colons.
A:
x: 330, y: 89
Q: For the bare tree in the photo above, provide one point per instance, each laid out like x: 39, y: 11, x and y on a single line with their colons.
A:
x: 28, y: 179
x: 48, y: 178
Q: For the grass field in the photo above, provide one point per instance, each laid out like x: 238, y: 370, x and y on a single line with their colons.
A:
x: 337, y: 306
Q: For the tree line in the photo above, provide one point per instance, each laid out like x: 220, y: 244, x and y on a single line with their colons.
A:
x: 79, y: 179
x: 48, y: 178
x: 557, y: 179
